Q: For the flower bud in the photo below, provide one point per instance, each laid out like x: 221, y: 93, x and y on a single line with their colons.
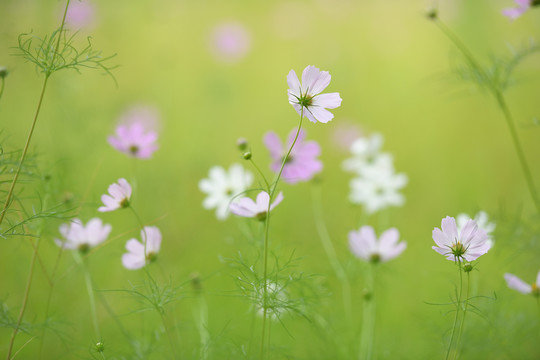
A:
x: 100, y: 347
x: 242, y: 144
x: 247, y: 155
x: 467, y: 268
x: 432, y: 14
x: 3, y: 72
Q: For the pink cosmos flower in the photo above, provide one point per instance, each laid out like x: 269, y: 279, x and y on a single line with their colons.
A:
x: 517, y: 284
x: 137, y: 257
x: 81, y: 237
x: 120, y: 193
x: 364, y: 244
x: 469, y: 243
x: 230, y: 42
x: 256, y: 209
x: 134, y: 136
x: 307, y: 95
x: 302, y: 163
x: 522, y: 6
x: 80, y: 14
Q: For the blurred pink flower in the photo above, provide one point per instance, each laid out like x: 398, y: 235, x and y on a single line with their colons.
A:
x: 307, y: 95
x: 345, y: 134
x: 364, y: 244
x: 522, y: 6
x: 469, y: 243
x: 256, y: 209
x: 517, y: 284
x: 80, y: 14
x: 302, y: 163
x: 81, y: 237
x: 120, y: 193
x: 230, y: 41
x: 135, y: 135
x: 137, y: 257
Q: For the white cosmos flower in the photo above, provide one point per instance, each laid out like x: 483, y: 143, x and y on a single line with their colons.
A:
x: 377, y: 186
x: 223, y: 186
x: 307, y: 95
x: 517, y: 284
x: 119, y: 195
x: 80, y: 237
x: 139, y: 254
x: 365, y: 151
x: 364, y: 244
x: 256, y: 209
x: 482, y: 220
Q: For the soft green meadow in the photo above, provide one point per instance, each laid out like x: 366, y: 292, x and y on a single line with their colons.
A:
x: 445, y: 91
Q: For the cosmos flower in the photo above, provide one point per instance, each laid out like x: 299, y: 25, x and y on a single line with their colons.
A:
x: 522, y: 7
x: 80, y: 14
x: 307, y: 95
x: 120, y: 193
x: 137, y: 257
x: 467, y: 244
x: 365, y: 151
x: 482, y: 221
x: 302, y: 163
x: 222, y: 187
x: 517, y: 284
x: 80, y: 237
x: 230, y: 42
x: 256, y: 209
x: 134, y: 136
x: 377, y: 186
x: 364, y: 244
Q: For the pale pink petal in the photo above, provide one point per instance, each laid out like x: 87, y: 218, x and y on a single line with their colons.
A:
x: 244, y: 207
x: 328, y: 101
x: 321, y: 83
x: 294, y: 83
x: 310, y: 75
x: 273, y: 144
x: 449, y: 227
x: 517, y: 284
x: 278, y: 199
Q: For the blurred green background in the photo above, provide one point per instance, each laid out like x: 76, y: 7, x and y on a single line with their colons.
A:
x: 393, y: 69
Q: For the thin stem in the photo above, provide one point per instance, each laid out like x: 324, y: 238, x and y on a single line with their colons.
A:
x: 519, y: 149
x: 201, y: 319
x: 25, y: 300
x: 328, y: 247
x: 29, y: 137
x: 463, y: 318
x: 271, y: 192
x: 143, y: 228
x: 260, y: 173
x: 368, y: 317
x: 458, y: 305
x: 90, y: 291
x: 2, y: 87
x: 169, y: 336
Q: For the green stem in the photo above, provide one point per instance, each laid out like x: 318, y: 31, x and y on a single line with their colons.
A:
x: 519, y: 149
x: 328, y: 247
x: 201, y: 319
x: 458, y: 305
x: 463, y: 318
x: 90, y: 291
x: 271, y: 193
x: 2, y: 87
x: 368, y: 318
x: 25, y: 300
x: 260, y: 173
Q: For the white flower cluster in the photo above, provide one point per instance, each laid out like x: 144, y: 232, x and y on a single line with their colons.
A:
x: 376, y: 185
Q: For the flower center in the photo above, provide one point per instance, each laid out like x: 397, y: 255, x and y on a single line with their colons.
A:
x: 229, y: 192
x: 133, y: 149
x: 83, y: 248
x: 458, y: 250
x: 124, y: 203
x: 306, y: 100
x: 535, y: 290
x: 151, y: 257
x: 261, y: 216
x: 375, y: 258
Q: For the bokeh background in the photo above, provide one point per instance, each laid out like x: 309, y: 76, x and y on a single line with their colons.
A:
x: 216, y: 71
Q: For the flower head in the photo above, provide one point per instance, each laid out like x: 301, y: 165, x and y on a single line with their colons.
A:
x: 517, y: 284
x: 135, y: 136
x: 223, y: 186
x: 306, y: 98
x: 364, y: 244
x: 467, y: 244
x: 302, y: 163
x: 80, y: 14
x: 80, y: 237
x: 522, y: 7
x: 139, y: 254
x: 120, y: 193
x: 256, y: 209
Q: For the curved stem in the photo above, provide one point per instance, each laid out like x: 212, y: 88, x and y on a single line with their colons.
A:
x: 463, y: 318
x: 458, y: 305
x: 29, y: 137
x: 328, y: 247
x: 260, y: 173
x: 271, y: 193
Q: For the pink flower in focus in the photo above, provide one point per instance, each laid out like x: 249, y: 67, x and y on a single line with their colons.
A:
x: 364, y: 244
x: 120, y: 193
x: 517, y: 284
x: 469, y: 243
x: 81, y: 237
x: 307, y: 95
x: 134, y: 136
x: 256, y: 209
x: 522, y: 6
x: 302, y: 163
x: 137, y: 256
x: 230, y: 42
x: 80, y: 14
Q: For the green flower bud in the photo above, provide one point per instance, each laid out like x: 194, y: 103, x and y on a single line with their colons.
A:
x: 247, y: 155
x: 467, y: 268
x: 100, y: 347
x: 432, y: 14
x: 3, y: 72
x: 242, y: 144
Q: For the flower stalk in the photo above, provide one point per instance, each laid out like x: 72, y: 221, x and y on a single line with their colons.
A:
x: 368, y: 315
